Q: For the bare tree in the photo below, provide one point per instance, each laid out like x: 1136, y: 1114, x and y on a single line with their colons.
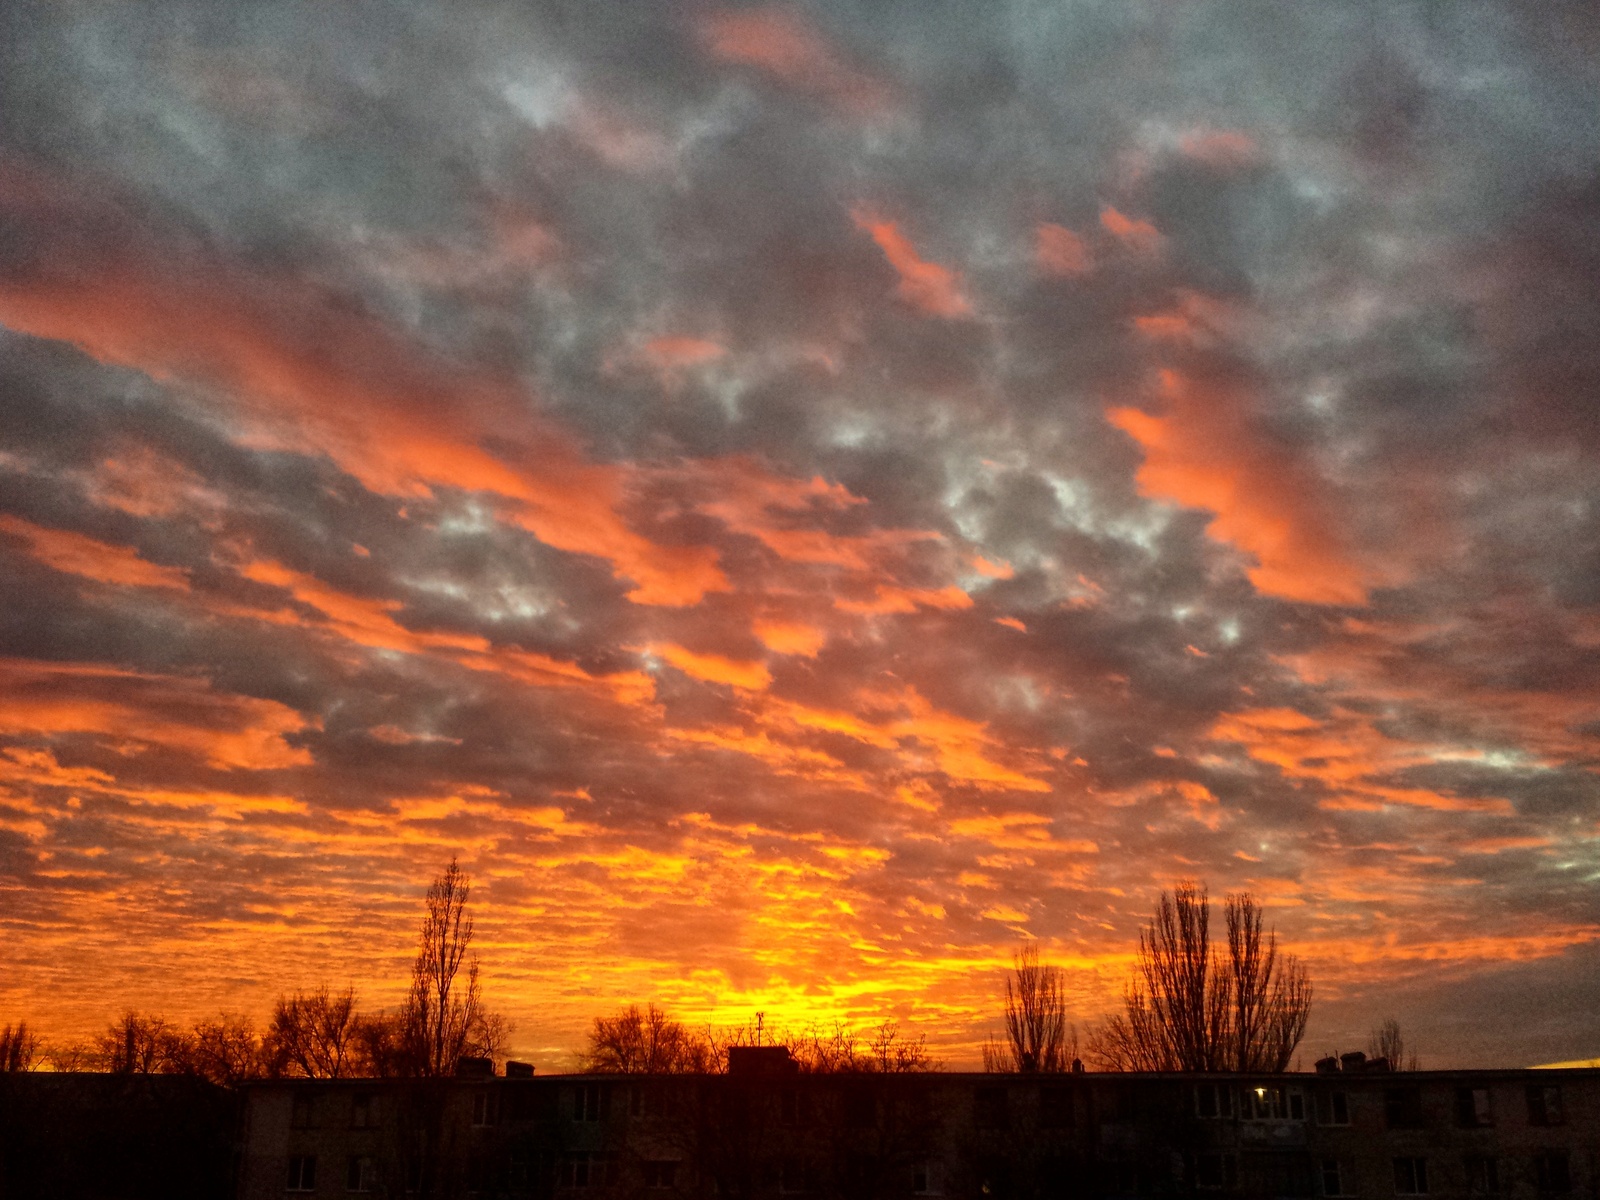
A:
x: 1187, y: 1008
x: 314, y: 1033
x: 1038, y: 1036
x: 443, y: 1010
x: 1386, y: 1041
x: 647, y: 1042
x: 19, y: 1048
x: 142, y: 1044
x: 226, y: 1050
x: 891, y: 1053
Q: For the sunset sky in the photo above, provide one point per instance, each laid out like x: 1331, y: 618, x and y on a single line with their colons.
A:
x: 799, y: 498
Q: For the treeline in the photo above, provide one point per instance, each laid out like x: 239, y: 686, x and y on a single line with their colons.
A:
x: 649, y: 1042
x: 317, y: 1034
x: 1188, y: 1005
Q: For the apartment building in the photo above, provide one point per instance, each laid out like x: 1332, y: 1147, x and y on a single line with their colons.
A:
x: 762, y: 1131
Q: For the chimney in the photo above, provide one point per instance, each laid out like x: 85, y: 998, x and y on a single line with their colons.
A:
x: 1328, y: 1065
x: 519, y: 1070
x: 1356, y: 1060
x: 474, y: 1068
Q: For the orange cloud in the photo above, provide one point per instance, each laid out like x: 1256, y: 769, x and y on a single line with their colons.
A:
x: 354, y: 391
x: 131, y: 709
x: 787, y: 637
x: 670, y: 352
x: 1203, y: 453
x: 714, y: 668
x: 1134, y: 233
x: 934, y: 289
x: 778, y: 43
x: 76, y: 554
x: 1346, y: 753
x: 1059, y: 251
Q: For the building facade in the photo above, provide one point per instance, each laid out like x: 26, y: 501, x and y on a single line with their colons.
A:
x: 1485, y: 1135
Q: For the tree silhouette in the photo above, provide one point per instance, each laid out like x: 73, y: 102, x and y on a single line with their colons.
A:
x: 1386, y: 1041
x: 1188, y: 1008
x: 19, y: 1048
x: 314, y: 1034
x: 443, y: 1010
x: 1038, y: 1037
x: 645, y: 1043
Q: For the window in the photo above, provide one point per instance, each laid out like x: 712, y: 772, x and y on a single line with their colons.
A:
x: 636, y: 1101
x: 1216, y: 1172
x: 582, y: 1170
x: 796, y: 1176
x: 1483, y: 1175
x: 860, y: 1109
x: 361, y: 1112
x: 1551, y: 1172
x: 789, y: 1107
x: 1213, y: 1100
x: 590, y: 1102
x: 303, y: 1114
x: 1472, y: 1108
x: 1402, y: 1107
x: 1056, y: 1108
x: 1333, y: 1108
x: 1332, y: 1178
x: 1411, y: 1176
x: 483, y: 1107
x: 659, y: 1176
x: 1273, y: 1104
x: 992, y: 1109
x: 927, y: 1179
x: 1544, y: 1105
x: 361, y: 1174
x: 302, y: 1172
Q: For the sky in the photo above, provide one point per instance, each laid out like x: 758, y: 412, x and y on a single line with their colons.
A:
x: 799, y: 498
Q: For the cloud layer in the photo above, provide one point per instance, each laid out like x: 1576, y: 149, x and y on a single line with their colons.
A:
x: 800, y: 497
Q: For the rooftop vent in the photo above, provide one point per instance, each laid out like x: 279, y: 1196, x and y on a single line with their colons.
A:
x: 519, y: 1070
x: 761, y: 1060
x: 474, y: 1068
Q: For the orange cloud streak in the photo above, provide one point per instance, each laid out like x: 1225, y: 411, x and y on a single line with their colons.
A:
x: 928, y: 286
x: 1204, y: 454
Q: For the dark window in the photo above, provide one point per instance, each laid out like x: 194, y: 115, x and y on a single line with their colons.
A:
x: 1274, y: 1174
x: 360, y: 1175
x: 1551, y: 1173
x: 660, y: 1175
x: 1402, y: 1107
x: 1472, y: 1108
x: 1411, y: 1176
x: 992, y: 1110
x: 1216, y: 1172
x: 303, y: 1114
x: 590, y: 1102
x: 1483, y: 1175
x: 1544, y: 1105
x: 483, y: 1107
x: 302, y: 1172
x: 1333, y: 1108
x: 1056, y: 1108
x: 361, y: 1112
x: 1297, y: 1105
x: 1332, y: 1178
x: 927, y: 1179
x: 797, y: 1176
x: 1213, y: 1100
x: 580, y: 1171
x: 789, y: 1107
x: 860, y: 1109
x: 636, y: 1101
